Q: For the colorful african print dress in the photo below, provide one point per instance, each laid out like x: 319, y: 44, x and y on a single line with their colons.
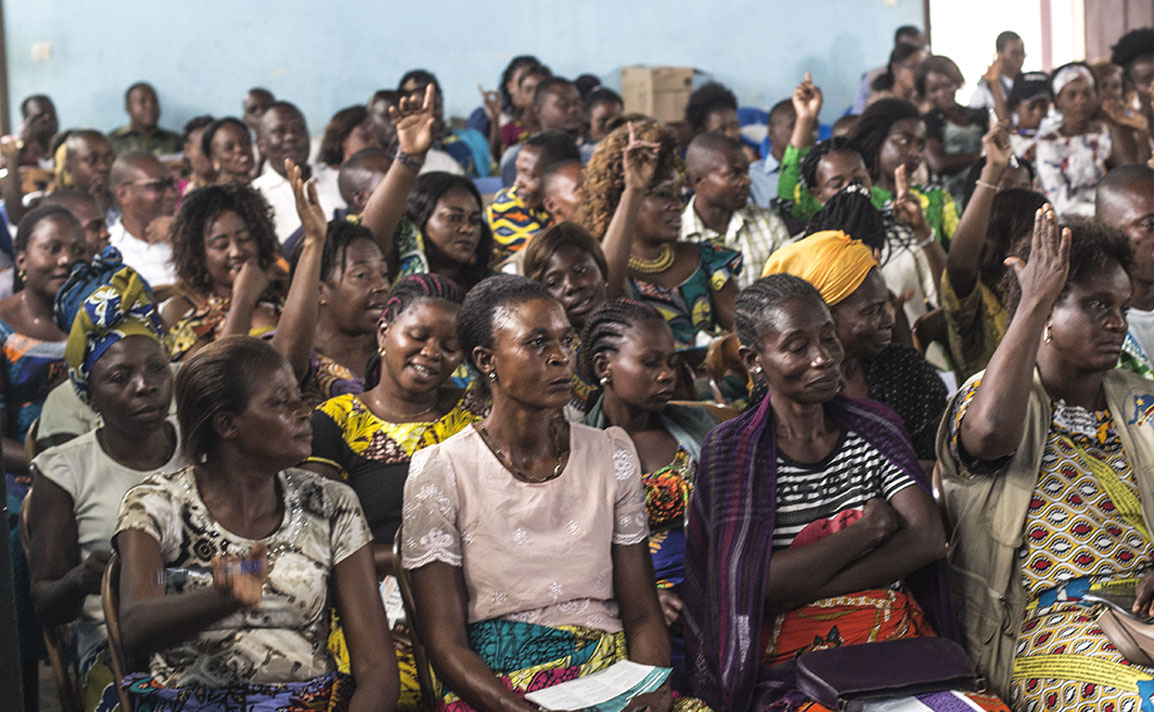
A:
x: 202, y: 323
x: 689, y: 307
x: 32, y: 368
x: 513, y: 223
x: 327, y: 379
x: 1084, y: 528
x: 373, y: 457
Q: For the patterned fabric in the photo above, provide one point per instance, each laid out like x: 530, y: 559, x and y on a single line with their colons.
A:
x: 1084, y: 525
x: 203, y: 323
x: 689, y: 307
x: 513, y: 223
x: 753, y: 231
x: 83, y: 280
x: 31, y: 368
x: 1069, y: 168
x: 1134, y: 358
x: 667, y: 491
x: 327, y: 379
x: 98, y: 683
x: 975, y: 325
x: 906, y: 382
x: 284, y: 638
x: 373, y: 455
x: 328, y: 693
x: 121, y: 308
x: 731, y: 523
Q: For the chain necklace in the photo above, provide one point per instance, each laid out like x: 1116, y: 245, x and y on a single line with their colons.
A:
x: 507, y: 462
x: 661, y: 263
x: 405, y: 418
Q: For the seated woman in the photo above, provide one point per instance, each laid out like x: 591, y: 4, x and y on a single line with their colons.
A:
x: 348, y: 131
x: 953, y: 132
x: 198, y: 170
x: 227, y: 143
x: 118, y: 367
x: 847, y: 276
x: 811, y: 525
x: 1073, y: 156
x: 223, y: 247
x: 631, y: 199
x: 569, y: 262
x: 282, y: 545
x: 627, y: 348
x: 492, y: 511
x: 1044, y: 462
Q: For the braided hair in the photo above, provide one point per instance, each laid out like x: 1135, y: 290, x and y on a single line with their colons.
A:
x: 339, y: 235
x: 607, y: 327
x: 755, y: 303
x: 851, y: 211
x: 820, y: 150
x: 417, y: 287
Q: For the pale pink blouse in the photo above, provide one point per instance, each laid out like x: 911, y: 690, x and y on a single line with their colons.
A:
x: 533, y: 552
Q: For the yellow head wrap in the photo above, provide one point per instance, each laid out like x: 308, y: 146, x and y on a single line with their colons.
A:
x: 832, y: 261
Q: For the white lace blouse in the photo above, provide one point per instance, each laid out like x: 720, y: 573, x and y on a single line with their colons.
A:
x: 533, y: 552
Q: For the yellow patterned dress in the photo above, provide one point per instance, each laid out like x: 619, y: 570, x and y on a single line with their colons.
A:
x: 1084, y: 529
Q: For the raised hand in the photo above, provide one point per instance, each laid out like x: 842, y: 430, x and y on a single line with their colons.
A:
x: 993, y: 74
x: 1044, y: 276
x: 413, y: 120
x: 241, y: 578
x: 10, y: 150
x: 639, y: 162
x: 996, y: 145
x: 492, y: 100
x: 309, y: 208
x: 807, y: 99
x: 907, y: 208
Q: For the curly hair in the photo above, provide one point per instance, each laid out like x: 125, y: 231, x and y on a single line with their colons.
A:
x: 608, y: 326
x: 870, y: 130
x: 332, y: 150
x: 1093, y: 246
x: 706, y: 100
x: 603, y: 180
x: 199, y: 209
x: 1132, y: 46
x: 423, y: 200
x: 1011, y: 219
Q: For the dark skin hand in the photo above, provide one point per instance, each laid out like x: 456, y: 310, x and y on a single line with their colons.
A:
x: 964, y: 258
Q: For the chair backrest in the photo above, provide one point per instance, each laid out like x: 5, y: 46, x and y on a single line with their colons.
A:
x: 430, y: 694
x: 110, y: 599
x: 55, y: 637
x: 722, y: 358
x: 31, y: 449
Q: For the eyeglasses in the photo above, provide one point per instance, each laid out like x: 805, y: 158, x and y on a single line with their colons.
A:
x: 157, y: 184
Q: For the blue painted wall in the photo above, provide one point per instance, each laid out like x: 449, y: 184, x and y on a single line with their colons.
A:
x: 203, y: 55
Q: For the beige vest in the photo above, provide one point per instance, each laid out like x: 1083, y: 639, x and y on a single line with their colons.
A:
x: 988, y: 518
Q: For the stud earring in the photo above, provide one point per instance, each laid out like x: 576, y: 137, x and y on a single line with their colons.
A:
x: 1046, y: 335
x: 757, y: 370
x: 381, y: 352
x: 492, y: 375
x: 604, y: 381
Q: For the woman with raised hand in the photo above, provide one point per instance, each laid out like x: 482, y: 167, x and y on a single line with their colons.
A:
x: 631, y: 199
x: 282, y: 546
x: 118, y: 366
x: 526, y: 535
x: 1044, y: 466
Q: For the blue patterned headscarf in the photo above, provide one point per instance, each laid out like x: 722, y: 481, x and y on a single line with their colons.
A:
x: 102, y: 303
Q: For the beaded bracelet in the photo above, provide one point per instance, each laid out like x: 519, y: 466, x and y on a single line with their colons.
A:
x: 412, y: 161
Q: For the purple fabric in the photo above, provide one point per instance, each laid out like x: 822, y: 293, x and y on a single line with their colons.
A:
x: 944, y: 702
x: 730, y: 540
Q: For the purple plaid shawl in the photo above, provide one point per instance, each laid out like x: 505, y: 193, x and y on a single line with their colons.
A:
x: 729, y: 542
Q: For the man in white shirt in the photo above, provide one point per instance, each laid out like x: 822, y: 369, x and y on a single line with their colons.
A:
x: 145, y: 192
x: 1011, y: 56
x: 1125, y: 201
x: 282, y: 134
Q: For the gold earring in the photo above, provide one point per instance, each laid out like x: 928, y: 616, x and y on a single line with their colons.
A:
x: 381, y: 352
x: 1046, y: 335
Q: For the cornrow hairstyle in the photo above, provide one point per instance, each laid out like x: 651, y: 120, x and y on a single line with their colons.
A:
x: 820, y: 150
x: 218, y: 378
x: 206, y: 137
x: 851, y: 211
x: 705, y: 100
x: 603, y: 180
x: 756, y: 303
x: 546, y: 243
x: 870, y: 130
x: 199, y: 209
x: 423, y: 200
x: 1132, y: 46
x: 523, y: 60
x: 607, y: 327
x: 332, y: 150
x: 338, y: 236
x: 34, y: 217
x: 418, y: 287
x: 475, y: 320
x: 196, y: 122
x: 1093, y: 246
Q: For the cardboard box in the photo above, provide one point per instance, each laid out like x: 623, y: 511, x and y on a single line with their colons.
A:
x: 658, y: 92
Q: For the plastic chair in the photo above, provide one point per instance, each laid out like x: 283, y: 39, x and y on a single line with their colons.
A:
x: 110, y: 600
x: 425, y: 676
x: 56, y: 638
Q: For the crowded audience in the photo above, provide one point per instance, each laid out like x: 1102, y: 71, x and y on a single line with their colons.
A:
x: 429, y: 412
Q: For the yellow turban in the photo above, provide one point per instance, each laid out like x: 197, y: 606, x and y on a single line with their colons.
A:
x: 832, y: 261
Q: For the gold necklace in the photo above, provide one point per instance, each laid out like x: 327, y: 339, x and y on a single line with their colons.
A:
x: 406, y: 418
x: 661, y: 263
x: 507, y: 462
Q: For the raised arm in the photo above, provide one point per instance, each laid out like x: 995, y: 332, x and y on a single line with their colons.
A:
x: 964, y: 258
x: 807, y: 101
x: 298, y: 322
x: 908, y: 212
x: 639, y: 160
x: 996, y: 417
x: 993, y: 77
x: 386, y: 206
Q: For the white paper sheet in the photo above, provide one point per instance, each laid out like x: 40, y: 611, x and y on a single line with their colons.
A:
x: 624, y: 679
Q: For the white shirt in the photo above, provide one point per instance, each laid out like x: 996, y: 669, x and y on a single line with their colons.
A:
x: 153, y: 260
x: 1142, y: 328
x: 279, y: 193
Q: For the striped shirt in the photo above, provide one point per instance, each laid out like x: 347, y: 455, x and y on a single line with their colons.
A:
x: 753, y: 231
x: 807, y: 493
